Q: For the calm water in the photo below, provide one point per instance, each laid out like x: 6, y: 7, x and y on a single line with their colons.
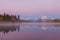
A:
x: 30, y: 31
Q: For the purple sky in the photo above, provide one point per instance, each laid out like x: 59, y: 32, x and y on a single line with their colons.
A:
x: 31, y: 8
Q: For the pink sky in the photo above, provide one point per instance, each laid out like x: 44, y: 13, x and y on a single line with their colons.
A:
x: 29, y: 6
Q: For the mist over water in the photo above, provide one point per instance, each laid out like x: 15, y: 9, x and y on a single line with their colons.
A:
x: 30, y: 31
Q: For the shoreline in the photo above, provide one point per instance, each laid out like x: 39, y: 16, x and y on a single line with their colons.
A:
x: 27, y: 23
x: 24, y: 22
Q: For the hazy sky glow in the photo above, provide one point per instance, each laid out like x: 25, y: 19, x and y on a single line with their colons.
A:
x: 31, y: 8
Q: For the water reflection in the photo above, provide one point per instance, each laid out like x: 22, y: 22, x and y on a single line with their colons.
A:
x: 44, y: 28
x: 39, y: 27
x: 6, y: 29
x: 23, y: 27
x: 27, y: 31
x: 57, y: 25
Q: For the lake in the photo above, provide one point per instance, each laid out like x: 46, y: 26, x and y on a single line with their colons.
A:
x: 30, y: 31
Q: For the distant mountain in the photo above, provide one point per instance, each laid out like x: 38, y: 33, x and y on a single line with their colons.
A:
x: 41, y: 19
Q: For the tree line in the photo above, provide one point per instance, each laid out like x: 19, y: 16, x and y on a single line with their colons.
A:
x: 6, y: 17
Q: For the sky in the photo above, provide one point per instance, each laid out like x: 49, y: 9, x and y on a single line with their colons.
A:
x: 31, y: 8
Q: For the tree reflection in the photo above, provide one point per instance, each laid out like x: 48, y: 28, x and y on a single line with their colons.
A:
x: 57, y: 25
x: 6, y: 29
